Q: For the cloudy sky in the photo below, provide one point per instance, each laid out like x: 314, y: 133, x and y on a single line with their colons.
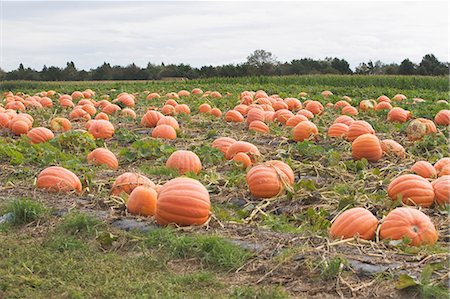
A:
x: 213, y: 33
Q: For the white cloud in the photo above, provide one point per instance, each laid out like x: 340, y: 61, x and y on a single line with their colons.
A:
x: 203, y: 33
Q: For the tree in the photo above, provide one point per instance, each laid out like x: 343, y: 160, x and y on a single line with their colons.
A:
x: 430, y: 66
x: 70, y: 73
x: 341, y: 65
x: 407, y: 67
x: 261, y: 57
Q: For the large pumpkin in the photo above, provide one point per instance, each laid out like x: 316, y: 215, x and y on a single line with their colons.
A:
x: 258, y: 126
x: 358, y: 128
x: 408, y: 223
x: 398, y: 114
x: 412, y: 190
x: 255, y: 114
x: 337, y: 130
x: 101, y: 129
x: 295, y: 120
x: 39, y: 135
x: 441, y: 188
x: 424, y: 169
x: 234, y: 116
x: 367, y: 146
x: 392, y: 147
x: 58, y: 179
x: 223, y: 143
x: 164, y: 132
x: 441, y: 164
x: 305, y: 130
x: 142, y: 201
x: 127, y: 181
x: 168, y: 120
x: 103, y: 156
x: 151, y: 118
x: 420, y: 127
x: 242, y: 147
x: 354, y: 222
x: 183, y: 201
x: 344, y: 119
x: 184, y: 161
x: 442, y: 118
x: 267, y: 180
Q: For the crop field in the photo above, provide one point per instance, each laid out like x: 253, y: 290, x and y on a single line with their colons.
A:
x: 272, y: 194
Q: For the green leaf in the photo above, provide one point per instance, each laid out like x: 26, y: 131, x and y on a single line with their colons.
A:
x: 405, y: 281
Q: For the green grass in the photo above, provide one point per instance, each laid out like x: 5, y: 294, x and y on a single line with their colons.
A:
x: 25, y: 211
x: 77, y: 223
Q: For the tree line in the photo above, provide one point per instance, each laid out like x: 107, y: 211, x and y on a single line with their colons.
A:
x: 259, y: 63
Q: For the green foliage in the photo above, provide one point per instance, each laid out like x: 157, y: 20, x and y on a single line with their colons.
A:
x: 146, y: 149
x: 211, y: 250
x: 314, y: 221
x: 25, y: 211
x: 77, y: 223
x: 309, y: 150
x: 125, y: 136
x: 331, y: 268
x: 425, y: 284
x: 247, y: 292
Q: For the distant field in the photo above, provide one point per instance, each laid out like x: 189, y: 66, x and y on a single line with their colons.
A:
x: 64, y: 245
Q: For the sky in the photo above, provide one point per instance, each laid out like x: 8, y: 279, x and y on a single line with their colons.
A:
x: 39, y: 33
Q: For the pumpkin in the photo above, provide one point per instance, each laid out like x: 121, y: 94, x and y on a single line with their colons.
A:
x: 314, y: 107
x: 242, y: 109
x: 77, y: 95
x: 306, y: 113
x: 204, y: 108
x: 441, y: 188
x: 184, y: 93
x: 255, y: 114
x: 168, y: 110
x: 408, y: 223
x: 60, y: 124
x: 142, y: 201
x: 184, y: 161
x: 216, y: 95
x: 383, y: 98
x: 354, y: 222
x: 293, y: 103
x: 424, y: 169
x: 89, y: 108
x: 172, y: 95
x: 103, y: 156
x: 79, y: 114
x: 183, y: 201
x: 337, y: 130
x: 19, y: 127
x: 383, y: 106
x: 358, y: 128
x: 366, y: 105
x: 344, y: 119
x: 341, y: 104
x: 412, y: 190
x: 164, y: 132
x: 349, y: 110
x: 171, y: 102
x: 46, y: 102
x: 283, y: 115
x: 326, y: 93
x: 153, y: 95
x: 266, y: 180
x: 269, y: 116
x: 420, y: 127
x: 127, y: 112
x: 398, y: 114
x: 197, y: 91
x: 295, y: 120
x: 58, y: 179
x: 242, y: 147
x: 442, y: 118
x: 286, y: 169
x: 305, y: 130
x: 258, y: 126
x: 111, y: 109
x: 242, y: 160
x: 223, y: 143
x: 151, y: 118
x: 102, y: 115
x: 399, y: 97
x: 441, y: 164
x: 4, y: 120
x: 182, y: 109
x: 367, y: 146
x: 280, y: 105
x: 15, y: 106
x: 168, y: 120
x: 216, y: 112
x: 101, y: 129
x: 233, y: 116
x: 128, y: 181
x: 444, y: 171
x: 392, y: 147
x: 40, y: 134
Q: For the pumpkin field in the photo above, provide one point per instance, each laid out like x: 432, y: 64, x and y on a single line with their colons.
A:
x: 321, y: 186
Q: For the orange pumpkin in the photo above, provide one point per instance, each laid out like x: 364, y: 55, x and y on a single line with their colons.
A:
x: 383, y: 106
x: 102, y: 115
x: 255, y: 114
x: 164, y: 132
x: 101, y: 129
x: 441, y: 188
x: 4, y: 120
x: 283, y: 115
x: 127, y: 112
x: 305, y: 130
x: 337, y: 130
x: 103, y: 156
x: 314, y: 107
x: 267, y: 180
x: 344, y: 119
x: 233, y: 116
x: 341, y: 104
x: 280, y: 105
x: 111, y: 109
x: 153, y: 95
x: 242, y: 147
x: 216, y: 112
x: 168, y: 110
x: 392, y: 147
x: 60, y: 124
x: 183, y: 201
x: 367, y: 146
x: 349, y: 110
x: 242, y: 160
x: 306, y: 113
x: 168, y: 120
x: 412, y: 190
x: 197, y: 91
x: 366, y: 105
x: 79, y: 114
x: 354, y: 222
x: 441, y: 164
x: 171, y: 102
x: 58, y: 179
x: 398, y: 114
x: 142, y: 201
x: 40, y: 134
x: 295, y: 120
x: 424, y: 169
x: 19, y: 126
x: 151, y: 118
x: 223, y: 143
x: 326, y: 93
x: 442, y: 118
x: 408, y: 223
x: 184, y: 161
x: 242, y: 109
x: 204, y: 108
x: 399, y: 97
x: 419, y: 128
x: 128, y: 181
x: 293, y: 104
x: 358, y: 128
x: 182, y: 109
x: 258, y: 126
x: 383, y: 98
